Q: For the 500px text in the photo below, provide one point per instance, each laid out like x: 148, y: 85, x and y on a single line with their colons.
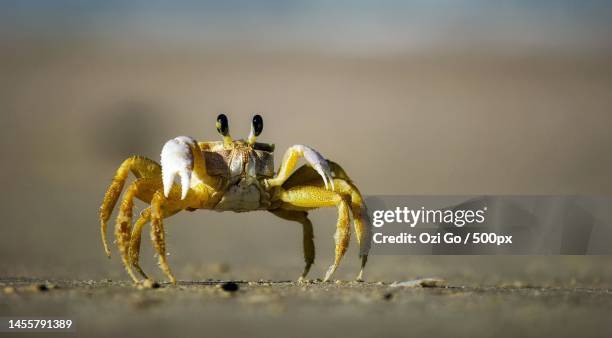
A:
x: 446, y: 238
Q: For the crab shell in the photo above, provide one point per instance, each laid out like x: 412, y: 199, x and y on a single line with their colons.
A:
x: 239, y: 160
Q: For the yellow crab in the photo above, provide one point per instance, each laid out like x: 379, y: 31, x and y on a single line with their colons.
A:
x: 235, y: 176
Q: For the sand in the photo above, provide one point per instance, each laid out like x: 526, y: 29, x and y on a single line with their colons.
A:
x: 272, y: 308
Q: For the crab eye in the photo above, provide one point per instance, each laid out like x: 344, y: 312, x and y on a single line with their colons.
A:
x: 222, y: 125
x: 257, y: 124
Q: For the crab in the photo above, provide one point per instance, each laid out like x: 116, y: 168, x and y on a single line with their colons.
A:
x: 232, y: 175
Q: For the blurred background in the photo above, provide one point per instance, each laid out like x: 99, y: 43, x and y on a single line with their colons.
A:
x: 420, y: 97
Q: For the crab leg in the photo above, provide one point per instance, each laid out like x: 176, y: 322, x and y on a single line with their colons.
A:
x: 308, y: 235
x: 306, y: 197
x: 307, y: 176
x: 143, y: 188
x: 158, y: 235
x: 123, y: 227
x: 140, y: 167
x: 134, y: 249
x: 312, y: 157
x: 361, y: 223
x: 136, y: 236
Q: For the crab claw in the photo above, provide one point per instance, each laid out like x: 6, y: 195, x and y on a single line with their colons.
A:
x: 318, y: 163
x: 177, y: 159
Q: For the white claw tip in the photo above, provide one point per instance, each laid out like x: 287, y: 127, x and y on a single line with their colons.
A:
x: 167, y: 187
x: 319, y: 163
x: 185, y: 182
x: 177, y: 159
